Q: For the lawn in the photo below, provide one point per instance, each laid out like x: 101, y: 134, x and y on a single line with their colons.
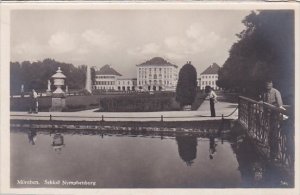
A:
x: 143, y: 102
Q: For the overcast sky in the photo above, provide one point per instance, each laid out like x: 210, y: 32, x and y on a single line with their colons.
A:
x: 125, y: 38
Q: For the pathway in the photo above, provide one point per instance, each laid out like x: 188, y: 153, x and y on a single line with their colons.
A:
x: 222, y: 107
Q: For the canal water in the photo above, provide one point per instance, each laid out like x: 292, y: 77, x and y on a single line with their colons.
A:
x: 91, y: 159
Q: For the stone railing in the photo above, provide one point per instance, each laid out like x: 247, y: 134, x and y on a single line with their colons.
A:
x: 271, y: 128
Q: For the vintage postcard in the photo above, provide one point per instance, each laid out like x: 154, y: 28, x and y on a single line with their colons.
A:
x: 149, y: 98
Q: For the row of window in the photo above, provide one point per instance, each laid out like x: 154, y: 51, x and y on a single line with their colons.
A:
x: 159, y: 69
x: 155, y: 82
x: 104, y: 77
x: 208, y: 83
x: 124, y: 82
x: 123, y: 88
x: 155, y: 76
x: 104, y: 82
x: 210, y: 76
x: 104, y: 87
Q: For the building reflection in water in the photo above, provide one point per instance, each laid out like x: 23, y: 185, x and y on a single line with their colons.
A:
x: 32, y: 136
x: 58, y: 142
x: 187, y: 148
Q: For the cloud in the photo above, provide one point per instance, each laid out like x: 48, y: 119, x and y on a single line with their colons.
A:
x: 196, y: 40
x: 29, y: 48
x: 62, y: 42
x: 146, y: 50
x: 99, y: 39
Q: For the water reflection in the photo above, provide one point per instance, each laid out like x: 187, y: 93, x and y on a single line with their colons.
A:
x: 255, y: 170
x: 143, y: 160
x: 212, y: 146
x: 32, y: 136
x: 58, y: 142
x: 187, y: 148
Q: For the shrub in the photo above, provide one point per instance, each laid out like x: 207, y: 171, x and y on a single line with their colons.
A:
x: 187, y: 85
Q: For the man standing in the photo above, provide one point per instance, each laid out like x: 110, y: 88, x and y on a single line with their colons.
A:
x: 271, y: 95
x: 212, y: 100
x: 34, y: 102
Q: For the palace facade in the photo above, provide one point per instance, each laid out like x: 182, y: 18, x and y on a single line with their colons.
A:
x: 157, y: 74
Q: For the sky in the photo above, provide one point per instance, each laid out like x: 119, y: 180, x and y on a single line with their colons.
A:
x: 125, y: 38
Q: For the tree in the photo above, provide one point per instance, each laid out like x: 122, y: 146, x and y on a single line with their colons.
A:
x: 35, y: 75
x: 187, y: 85
x: 265, y: 50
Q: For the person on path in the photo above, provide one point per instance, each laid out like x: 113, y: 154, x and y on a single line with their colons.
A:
x: 34, y: 102
x: 212, y: 100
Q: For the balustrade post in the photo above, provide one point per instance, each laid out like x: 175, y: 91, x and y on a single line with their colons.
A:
x: 239, y: 109
x: 249, y: 116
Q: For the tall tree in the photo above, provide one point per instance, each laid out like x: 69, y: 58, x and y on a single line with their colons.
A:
x: 265, y: 50
x: 187, y: 85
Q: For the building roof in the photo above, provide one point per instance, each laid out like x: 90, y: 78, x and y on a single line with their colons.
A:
x: 157, y: 61
x: 107, y: 70
x: 212, y: 69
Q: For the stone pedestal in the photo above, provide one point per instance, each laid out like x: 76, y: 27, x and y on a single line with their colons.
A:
x: 58, y: 103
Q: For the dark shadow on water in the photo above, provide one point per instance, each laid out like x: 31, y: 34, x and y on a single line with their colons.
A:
x: 187, y: 148
x: 32, y: 136
x: 256, y: 171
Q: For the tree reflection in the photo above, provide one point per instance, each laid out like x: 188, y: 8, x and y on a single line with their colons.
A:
x: 187, y: 148
x: 32, y: 136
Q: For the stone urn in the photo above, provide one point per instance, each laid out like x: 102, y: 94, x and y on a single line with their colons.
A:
x: 58, y: 96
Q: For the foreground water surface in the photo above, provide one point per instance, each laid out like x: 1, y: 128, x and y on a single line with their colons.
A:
x: 90, y: 159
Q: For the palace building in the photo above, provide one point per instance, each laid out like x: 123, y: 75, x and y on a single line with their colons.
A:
x: 209, y: 77
x: 157, y: 74
x: 126, y: 84
x: 106, y: 78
